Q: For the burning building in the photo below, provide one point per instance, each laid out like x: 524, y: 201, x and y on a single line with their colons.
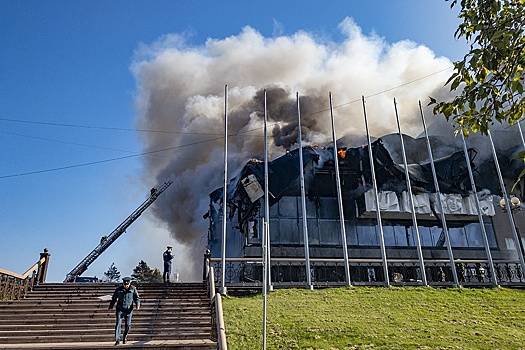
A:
x: 245, y: 204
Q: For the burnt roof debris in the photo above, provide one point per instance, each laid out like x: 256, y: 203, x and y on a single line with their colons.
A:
x: 355, y: 174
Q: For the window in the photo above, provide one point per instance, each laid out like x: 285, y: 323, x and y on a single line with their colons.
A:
x: 398, y: 235
x: 330, y: 232
x: 313, y: 231
x: 490, y: 234
x: 351, y: 233
x: 511, y: 245
x: 328, y: 208
x: 437, y: 235
x: 388, y: 234
x: 474, y: 235
x: 401, y: 236
x: 274, y: 231
x: 425, y: 236
x: 289, y: 230
x: 366, y: 234
x: 458, y: 238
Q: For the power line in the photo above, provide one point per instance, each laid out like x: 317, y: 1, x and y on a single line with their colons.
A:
x: 107, y: 160
x: 62, y: 141
x: 180, y: 146
x: 84, y: 126
x: 358, y: 99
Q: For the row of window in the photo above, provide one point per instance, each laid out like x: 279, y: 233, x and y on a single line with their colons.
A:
x: 327, y: 232
x: 324, y: 228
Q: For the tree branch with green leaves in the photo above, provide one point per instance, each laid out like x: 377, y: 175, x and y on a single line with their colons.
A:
x: 489, y: 81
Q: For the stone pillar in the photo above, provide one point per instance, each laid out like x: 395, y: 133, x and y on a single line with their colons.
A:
x: 42, y: 268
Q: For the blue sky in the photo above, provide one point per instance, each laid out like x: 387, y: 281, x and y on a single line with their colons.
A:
x: 68, y: 62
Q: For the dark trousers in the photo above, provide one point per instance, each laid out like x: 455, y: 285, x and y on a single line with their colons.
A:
x: 167, y: 272
x: 126, y: 316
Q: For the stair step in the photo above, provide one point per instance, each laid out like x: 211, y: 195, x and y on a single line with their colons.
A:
x: 84, y: 330
x: 72, y: 314
x: 108, y: 323
x: 92, y: 320
x: 110, y: 291
x: 59, y: 319
x: 181, y: 344
x: 102, y: 311
x: 101, y: 337
x: 146, y: 305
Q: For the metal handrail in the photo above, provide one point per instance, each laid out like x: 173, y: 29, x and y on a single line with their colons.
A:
x: 216, y: 302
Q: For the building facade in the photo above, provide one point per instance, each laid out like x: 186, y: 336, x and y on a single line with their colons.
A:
x: 245, y: 214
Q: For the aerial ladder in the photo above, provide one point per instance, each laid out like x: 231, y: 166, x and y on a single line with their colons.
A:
x: 106, y: 241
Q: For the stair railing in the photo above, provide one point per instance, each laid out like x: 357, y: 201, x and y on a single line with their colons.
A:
x: 14, y: 286
x: 219, y: 331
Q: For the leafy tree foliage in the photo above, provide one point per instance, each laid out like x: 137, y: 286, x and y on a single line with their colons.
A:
x: 112, y: 274
x: 489, y: 80
x: 144, y: 274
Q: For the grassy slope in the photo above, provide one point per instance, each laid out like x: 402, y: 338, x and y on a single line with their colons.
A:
x: 380, y: 318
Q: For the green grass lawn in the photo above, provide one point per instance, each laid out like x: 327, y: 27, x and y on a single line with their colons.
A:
x: 380, y: 318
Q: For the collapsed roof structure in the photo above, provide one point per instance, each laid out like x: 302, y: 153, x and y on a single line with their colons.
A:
x: 245, y: 198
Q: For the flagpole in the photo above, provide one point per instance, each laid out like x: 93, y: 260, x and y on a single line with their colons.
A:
x: 303, y: 201
x: 225, y: 192
x: 340, y: 197
x: 376, y: 195
x: 264, y: 283
x: 508, y: 209
x: 266, y: 196
x: 440, y: 201
x: 480, y: 214
x: 411, y: 201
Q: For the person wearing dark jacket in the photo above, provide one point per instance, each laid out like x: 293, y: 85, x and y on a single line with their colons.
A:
x: 167, y: 257
x: 125, y: 296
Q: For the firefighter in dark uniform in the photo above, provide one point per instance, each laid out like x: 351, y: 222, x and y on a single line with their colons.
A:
x: 167, y: 257
x: 125, y: 296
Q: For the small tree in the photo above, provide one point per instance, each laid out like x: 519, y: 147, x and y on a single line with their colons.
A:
x: 112, y: 274
x: 145, y: 274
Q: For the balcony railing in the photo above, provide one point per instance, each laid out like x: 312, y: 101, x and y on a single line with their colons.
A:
x: 289, y: 272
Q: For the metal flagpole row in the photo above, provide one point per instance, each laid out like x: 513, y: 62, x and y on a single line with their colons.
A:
x: 480, y: 214
x: 303, y: 200
x: 507, y: 202
x: 266, y: 194
x: 339, y: 196
x: 225, y: 192
x: 411, y: 201
x: 376, y: 195
x: 440, y: 201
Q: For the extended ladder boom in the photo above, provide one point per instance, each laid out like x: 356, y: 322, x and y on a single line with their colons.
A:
x: 117, y: 232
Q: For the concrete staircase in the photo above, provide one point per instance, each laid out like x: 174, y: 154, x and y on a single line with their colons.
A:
x: 71, y: 316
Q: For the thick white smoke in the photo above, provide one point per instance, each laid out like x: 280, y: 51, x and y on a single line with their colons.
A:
x: 181, y: 88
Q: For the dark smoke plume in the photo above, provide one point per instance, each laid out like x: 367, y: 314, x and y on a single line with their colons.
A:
x: 180, y: 88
